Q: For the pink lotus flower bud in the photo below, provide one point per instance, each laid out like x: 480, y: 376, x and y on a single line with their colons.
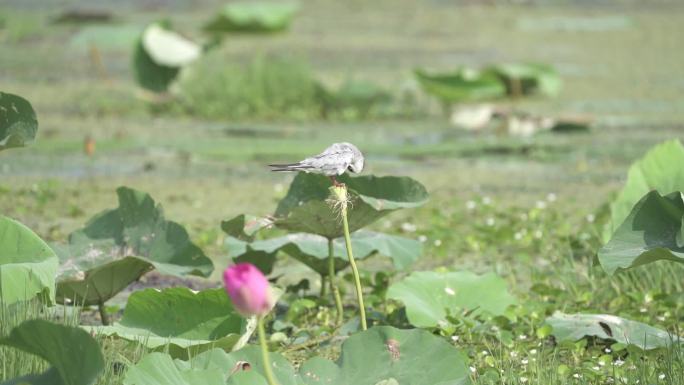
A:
x: 248, y: 289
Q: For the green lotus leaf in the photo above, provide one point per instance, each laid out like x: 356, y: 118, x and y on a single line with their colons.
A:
x: 27, y: 264
x: 462, y: 85
x: 529, y: 78
x: 368, y: 358
x: 383, y: 353
x: 312, y: 250
x: 430, y: 297
x: 118, y: 246
x: 74, y: 355
x: 260, y: 16
x: 653, y: 231
x: 178, y: 319
x: 18, y: 122
x: 304, y: 208
x: 159, y: 55
x: 212, y: 367
x: 660, y: 169
x: 244, y: 227
x: 573, y: 327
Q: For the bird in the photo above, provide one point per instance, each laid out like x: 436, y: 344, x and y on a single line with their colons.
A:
x: 333, y: 161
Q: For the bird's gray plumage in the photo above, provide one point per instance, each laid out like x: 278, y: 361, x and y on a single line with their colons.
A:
x: 334, y: 160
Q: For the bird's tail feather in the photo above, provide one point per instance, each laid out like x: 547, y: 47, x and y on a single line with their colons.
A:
x: 289, y: 167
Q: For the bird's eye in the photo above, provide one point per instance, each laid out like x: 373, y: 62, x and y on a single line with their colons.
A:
x: 350, y: 169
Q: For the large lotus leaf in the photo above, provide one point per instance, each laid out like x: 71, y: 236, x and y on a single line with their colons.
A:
x: 117, y: 246
x: 244, y: 227
x: 383, y: 353
x: 430, y: 296
x: 660, y: 169
x: 463, y: 85
x: 18, y: 123
x: 653, y: 231
x: 304, y: 208
x: 253, y: 17
x: 75, y: 356
x: 212, y: 367
x: 184, y: 320
x: 572, y: 327
x: 368, y: 358
x: 312, y: 249
x: 159, y: 55
x: 529, y: 78
x: 27, y: 264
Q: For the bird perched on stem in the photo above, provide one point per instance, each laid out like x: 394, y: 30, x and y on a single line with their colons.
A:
x: 333, y: 161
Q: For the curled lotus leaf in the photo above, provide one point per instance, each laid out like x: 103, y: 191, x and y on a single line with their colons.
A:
x: 118, y: 246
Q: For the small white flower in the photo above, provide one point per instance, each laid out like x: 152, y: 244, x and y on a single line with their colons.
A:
x: 577, y: 375
x: 470, y: 205
x: 660, y: 318
x: 524, y: 361
x: 518, y: 236
x: 596, y: 368
x: 607, y: 350
x: 422, y: 238
x: 618, y: 362
x: 523, y: 379
x: 409, y: 227
x: 486, y: 201
x: 541, y: 205
x: 661, y: 376
x: 602, y: 363
x: 538, y: 234
x: 455, y: 338
x: 490, y: 221
x: 484, y: 352
x: 472, y: 369
x: 514, y: 354
x: 533, y: 351
x: 551, y: 197
x: 643, y: 310
x: 591, y: 218
x: 449, y: 291
x: 522, y: 337
x: 438, y: 242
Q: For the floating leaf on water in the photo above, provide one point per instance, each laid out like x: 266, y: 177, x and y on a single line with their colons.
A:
x: 18, y: 122
x: 573, y: 327
x: 253, y: 16
x: 462, y: 85
x: 27, y: 264
x: 430, y: 296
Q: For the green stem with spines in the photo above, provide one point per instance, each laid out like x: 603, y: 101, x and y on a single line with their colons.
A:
x: 333, y: 286
x: 268, y: 371
x: 341, y: 194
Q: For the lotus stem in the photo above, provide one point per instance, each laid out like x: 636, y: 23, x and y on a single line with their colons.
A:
x: 104, y: 317
x: 268, y: 371
x: 333, y: 286
x: 342, y: 201
x: 324, y: 286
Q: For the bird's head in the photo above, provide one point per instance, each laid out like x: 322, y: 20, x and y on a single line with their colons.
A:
x: 356, y: 165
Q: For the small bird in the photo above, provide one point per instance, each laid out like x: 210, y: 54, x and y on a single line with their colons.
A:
x: 333, y: 161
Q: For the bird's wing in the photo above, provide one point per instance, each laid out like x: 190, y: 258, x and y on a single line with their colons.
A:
x: 332, y: 163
